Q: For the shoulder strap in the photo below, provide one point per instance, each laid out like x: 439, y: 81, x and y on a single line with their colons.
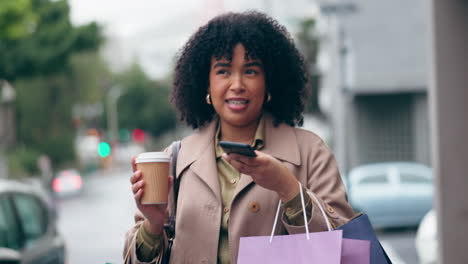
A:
x: 170, y: 225
x: 175, y: 186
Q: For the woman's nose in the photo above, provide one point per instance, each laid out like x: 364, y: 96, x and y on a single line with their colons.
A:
x: 237, y: 83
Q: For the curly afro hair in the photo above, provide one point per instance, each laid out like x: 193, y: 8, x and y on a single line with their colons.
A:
x: 264, y: 39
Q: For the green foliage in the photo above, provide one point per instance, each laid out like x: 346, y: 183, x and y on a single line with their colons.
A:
x: 45, y: 44
x: 22, y: 162
x: 144, y: 103
x: 43, y: 55
x: 17, y: 19
x: 44, y: 121
x: 90, y: 76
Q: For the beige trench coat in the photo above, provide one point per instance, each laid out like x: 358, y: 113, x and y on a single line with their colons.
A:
x: 253, y: 208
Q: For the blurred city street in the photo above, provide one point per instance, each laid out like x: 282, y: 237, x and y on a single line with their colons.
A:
x: 94, y: 223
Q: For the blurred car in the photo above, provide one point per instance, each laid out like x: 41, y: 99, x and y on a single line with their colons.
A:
x: 28, y: 225
x: 9, y: 256
x: 67, y: 183
x: 392, y: 194
x: 426, y: 239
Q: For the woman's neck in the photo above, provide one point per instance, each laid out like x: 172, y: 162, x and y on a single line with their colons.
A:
x: 244, y: 134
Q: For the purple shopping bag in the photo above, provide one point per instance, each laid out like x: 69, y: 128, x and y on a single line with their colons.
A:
x: 318, y: 247
x: 355, y: 251
x: 321, y: 247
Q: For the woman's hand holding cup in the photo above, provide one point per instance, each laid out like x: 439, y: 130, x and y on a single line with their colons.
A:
x: 155, y: 213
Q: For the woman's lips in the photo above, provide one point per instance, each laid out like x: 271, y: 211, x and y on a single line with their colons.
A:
x: 237, y: 104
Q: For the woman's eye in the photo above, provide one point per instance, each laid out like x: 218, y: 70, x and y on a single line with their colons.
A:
x: 222, y: 72
x: 251, y: 71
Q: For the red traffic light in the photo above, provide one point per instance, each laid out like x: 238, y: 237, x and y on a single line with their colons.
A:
x: 138, y: 135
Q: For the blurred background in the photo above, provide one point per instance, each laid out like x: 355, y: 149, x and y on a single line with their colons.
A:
x: 84, y: 86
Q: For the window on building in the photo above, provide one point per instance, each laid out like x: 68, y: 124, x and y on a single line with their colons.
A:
x: 385, y: 128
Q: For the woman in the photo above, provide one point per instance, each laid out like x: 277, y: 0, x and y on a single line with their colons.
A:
x: 240, y: 78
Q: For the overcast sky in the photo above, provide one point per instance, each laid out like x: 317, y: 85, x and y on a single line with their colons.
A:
x: 151, y: 31
x: 123, y: 16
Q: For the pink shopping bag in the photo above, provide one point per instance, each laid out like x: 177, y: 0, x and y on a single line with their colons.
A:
x: 355, y: 251
x: 319, y: 247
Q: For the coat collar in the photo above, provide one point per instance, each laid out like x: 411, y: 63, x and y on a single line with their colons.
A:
x: 281, y: 142
x: 198, y: 150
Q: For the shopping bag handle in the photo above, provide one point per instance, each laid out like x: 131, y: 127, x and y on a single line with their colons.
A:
x: 303, y: 213
x: 321, y: 210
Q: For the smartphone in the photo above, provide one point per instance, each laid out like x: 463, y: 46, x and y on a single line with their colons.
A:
x: 239, y: 148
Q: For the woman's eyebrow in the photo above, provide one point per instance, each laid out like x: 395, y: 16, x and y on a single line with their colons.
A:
x: 222, y: 64
x: 254, y: 63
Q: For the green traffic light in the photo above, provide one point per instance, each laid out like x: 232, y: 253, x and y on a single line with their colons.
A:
x: 104, y: 149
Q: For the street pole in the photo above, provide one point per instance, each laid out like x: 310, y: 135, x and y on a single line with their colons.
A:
x: 112, y: 115
x: 337, y: 10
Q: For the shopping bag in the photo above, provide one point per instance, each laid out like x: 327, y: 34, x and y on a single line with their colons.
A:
x: 321, y: 247
x: 317, y: 247
x: 359, y: 227
x: 354, y: 251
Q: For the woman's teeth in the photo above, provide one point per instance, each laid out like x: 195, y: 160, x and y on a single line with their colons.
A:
x: 237, y: 102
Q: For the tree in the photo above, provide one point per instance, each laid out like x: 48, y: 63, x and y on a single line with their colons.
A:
x: 144, y: 103
x: 37, y: 47
x: 17, y: 19
x: 44, y: 121
x: 46, y: 40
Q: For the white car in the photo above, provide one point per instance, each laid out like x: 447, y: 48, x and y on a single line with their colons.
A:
x: 392, y: 194
x: 426, y: 239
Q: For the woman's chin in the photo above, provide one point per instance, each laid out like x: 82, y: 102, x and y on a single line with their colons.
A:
x: 239, y: 121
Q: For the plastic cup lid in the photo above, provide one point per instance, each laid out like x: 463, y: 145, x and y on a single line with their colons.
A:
x: 152, y: 157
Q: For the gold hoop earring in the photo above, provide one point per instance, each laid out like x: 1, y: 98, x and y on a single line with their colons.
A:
x: 208, y: 99
x: 268, y: 98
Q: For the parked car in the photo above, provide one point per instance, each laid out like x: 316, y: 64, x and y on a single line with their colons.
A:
x: 426, y: 239
x: 392, y: 194
x: 28, y: 225
x: 67, y: 183
x: 9, y: 256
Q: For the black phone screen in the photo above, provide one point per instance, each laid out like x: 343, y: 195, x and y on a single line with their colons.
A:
x: 238, y: 148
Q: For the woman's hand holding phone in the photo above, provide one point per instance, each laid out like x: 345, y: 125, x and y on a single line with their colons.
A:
x: 265, y: 170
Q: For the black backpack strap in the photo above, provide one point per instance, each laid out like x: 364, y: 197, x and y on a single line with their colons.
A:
x: 170, y: 225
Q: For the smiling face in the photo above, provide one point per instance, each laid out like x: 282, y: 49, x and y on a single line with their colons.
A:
x: 237, y: 89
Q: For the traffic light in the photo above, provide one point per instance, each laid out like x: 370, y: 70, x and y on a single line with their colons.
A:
x: 104, y: 149
x: 138, y: 135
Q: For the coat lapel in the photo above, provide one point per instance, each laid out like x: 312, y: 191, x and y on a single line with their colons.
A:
x: 281, y: 142
x: 197, y: 151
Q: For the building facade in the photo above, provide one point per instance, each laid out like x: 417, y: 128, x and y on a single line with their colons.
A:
x: 377, y: 81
